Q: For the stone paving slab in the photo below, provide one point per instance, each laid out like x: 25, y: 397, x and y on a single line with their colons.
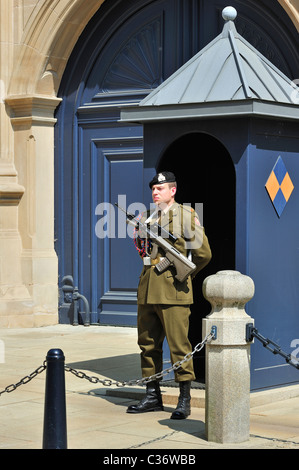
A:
x: 96, y: 415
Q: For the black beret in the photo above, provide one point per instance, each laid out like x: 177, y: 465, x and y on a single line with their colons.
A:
x: 163, y: 177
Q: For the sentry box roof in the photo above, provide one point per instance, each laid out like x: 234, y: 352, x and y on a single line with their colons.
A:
x: 227, y: 78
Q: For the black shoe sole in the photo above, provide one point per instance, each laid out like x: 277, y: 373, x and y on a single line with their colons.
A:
x: 181, y: 416
x: 158, y: 408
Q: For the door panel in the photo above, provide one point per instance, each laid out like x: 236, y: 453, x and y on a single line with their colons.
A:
x: 108, y: 265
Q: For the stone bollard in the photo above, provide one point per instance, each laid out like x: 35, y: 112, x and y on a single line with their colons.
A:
x: 227, y: 399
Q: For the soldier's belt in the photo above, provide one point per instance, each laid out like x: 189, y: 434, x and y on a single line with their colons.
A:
x: 148, y: 261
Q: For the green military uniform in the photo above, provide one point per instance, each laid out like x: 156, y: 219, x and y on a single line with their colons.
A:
x: 163, y: 301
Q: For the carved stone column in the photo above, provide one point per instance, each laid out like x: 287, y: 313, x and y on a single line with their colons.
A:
x: 33, y: 122
x: 14, y: 296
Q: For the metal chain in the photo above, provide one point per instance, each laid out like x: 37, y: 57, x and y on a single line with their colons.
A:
x: 144, y: 380
x: 108, y: 382
x: 24, y: 380
x: 252, y: 332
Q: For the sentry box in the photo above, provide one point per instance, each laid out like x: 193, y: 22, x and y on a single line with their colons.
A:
x: 226, y: 123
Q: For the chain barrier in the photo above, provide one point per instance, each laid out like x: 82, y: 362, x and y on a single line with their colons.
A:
x: 109, y: 382
x: 24, y: 380
x: 144, y: 380
x: 252, y: 332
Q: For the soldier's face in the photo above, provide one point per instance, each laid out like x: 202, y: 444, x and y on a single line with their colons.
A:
x: 163, y: 194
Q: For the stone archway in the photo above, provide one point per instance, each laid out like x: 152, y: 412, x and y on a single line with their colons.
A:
x: 47, y: 42
x: 292, y: 9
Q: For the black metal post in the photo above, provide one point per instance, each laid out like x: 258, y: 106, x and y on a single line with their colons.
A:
x: 55, y: 430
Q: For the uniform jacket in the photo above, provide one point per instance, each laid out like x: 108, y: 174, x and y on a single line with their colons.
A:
x: 164, y: 288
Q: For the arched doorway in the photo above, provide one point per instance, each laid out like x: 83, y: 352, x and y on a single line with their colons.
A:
x: 206, y: 180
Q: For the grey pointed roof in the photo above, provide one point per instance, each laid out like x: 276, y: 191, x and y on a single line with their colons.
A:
x: 228, y: 77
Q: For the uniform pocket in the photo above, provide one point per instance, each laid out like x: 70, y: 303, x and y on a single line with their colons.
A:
x: 183, y: 289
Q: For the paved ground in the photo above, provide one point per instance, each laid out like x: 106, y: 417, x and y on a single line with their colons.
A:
x: 96, y: 414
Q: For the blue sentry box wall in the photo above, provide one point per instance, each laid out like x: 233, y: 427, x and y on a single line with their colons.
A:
x: 271, y: 249
x: 267, y: 245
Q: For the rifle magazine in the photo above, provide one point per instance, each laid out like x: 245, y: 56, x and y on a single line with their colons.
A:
x: 163, y: 264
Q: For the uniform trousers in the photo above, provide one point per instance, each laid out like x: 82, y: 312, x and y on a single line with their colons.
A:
x: 154, y: 323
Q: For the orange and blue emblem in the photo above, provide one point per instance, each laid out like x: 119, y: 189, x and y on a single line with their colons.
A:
x: 279, y: 186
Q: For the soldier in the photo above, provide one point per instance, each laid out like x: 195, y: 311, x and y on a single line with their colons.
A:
x: 163, y: 301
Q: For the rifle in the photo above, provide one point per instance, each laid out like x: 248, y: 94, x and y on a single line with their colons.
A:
x: 184, y: 267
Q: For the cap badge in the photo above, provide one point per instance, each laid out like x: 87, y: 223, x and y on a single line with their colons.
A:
x: 161, y: 177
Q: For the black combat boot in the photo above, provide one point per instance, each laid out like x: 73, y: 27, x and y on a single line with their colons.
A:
x: 151, y: 402
x: 183, y: 407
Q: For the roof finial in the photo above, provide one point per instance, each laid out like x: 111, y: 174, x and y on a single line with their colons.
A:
x: 229, y: 13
